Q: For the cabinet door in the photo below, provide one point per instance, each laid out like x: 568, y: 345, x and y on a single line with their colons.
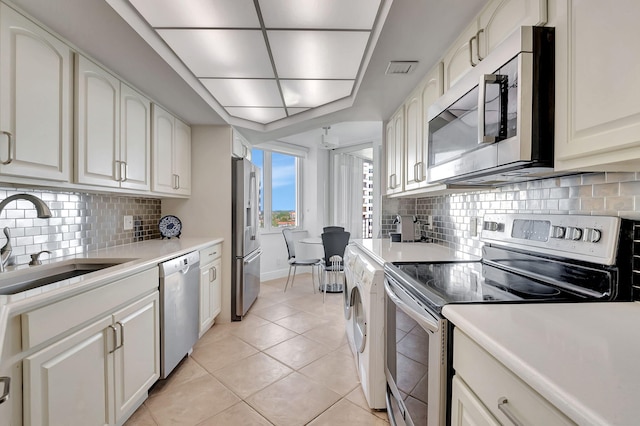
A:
x: 137, y: 359
x: 162, y: 151
x: 182, y: 156
x: 69, y: 382
x: 394, y: 149
x: 500, y: 18
x: 205, y: 298
x: 457, y: 61
x: 466, y: 408
x: 414, y: 171
x: 35, y: 100
x: 597, y: 86
x: 97, y: 125
x: 135, y: 139
x: 216, y: 289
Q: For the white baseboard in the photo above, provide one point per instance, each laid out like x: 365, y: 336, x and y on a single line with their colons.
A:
x: 272, y: 275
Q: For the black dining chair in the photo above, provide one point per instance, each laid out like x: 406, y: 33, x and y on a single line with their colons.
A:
x: 334, y: 244
x: 333, y: 229
x: 294, y: 263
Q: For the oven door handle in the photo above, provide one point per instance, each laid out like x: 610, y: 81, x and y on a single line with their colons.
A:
x: 417, y: 312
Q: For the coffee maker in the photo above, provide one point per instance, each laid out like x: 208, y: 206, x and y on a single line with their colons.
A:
x: 406, y: 226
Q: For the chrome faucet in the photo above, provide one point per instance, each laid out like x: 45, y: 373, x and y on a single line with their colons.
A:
x: 43, y: 212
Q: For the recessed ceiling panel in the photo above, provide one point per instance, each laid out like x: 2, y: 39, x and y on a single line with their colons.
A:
x: 198, y: 13
x: 260, y: 115
x: 317, y: 54
x: 244, y: 92
x: 313, y: 93
x: 335, y: 14
x: 221, y: 53
x: 293, y: 111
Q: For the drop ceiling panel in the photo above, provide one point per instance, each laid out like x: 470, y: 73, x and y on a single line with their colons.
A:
x: 335, y: 14
x: 318, y: 54
x: 250, y: 92
x: 198, y: 13
x: 260, y: 115
x: 313, y: 93
x: 221, y: 53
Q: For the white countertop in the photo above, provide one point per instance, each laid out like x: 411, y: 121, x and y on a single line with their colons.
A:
x: 584, y: 358
x: 383, y: 250
x: 136, y: 257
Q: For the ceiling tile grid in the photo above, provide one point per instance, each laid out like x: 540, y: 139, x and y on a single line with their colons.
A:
x: 265, y: 60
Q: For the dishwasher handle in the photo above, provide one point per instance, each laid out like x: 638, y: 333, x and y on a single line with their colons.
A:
x: 180, y: 264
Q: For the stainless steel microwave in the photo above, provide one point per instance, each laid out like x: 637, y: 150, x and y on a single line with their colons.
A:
x: 495, y: 125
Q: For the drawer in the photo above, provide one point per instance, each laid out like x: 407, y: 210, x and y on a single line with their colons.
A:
x: 209, y: 254
x: 49, y: 321
x: 491, y: 381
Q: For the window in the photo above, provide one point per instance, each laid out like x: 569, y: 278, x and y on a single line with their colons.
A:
x: 279, y: 184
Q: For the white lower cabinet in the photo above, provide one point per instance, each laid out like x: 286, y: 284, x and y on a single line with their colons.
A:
x: 485, y: 392
x: 466, y: 408
x: 210, y: 286
x: 100, y: 373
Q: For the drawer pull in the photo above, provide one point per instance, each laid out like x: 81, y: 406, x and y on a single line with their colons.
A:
x: 6, y: 381
x: 502, y: 406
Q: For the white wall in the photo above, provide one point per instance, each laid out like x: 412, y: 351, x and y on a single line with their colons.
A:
x: 314, y: 193
x: 207, y: 213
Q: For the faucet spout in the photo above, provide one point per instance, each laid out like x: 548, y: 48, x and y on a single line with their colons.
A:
x: 41, y: 207
x: 42, y: 210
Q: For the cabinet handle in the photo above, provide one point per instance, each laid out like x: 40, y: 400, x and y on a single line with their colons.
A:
x: 480, y: 31
x: 177, y: 181
x: 473, y: 64
x: 117, y: 170
x: 392, y: 181
x: 123, y: 171
x: 6, y: 381
x: 9, y: 145
x: 115, y: 338
x: 502, y: 406
x: 215, y: 273
x: 418, y: 170
x: 210, y: 274
x: 121, y: 335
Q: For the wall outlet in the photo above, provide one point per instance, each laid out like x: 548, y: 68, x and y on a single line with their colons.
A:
x: 128, y: 223
x: 474, y: 226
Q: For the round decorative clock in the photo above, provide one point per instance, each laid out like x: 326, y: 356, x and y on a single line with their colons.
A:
x: 170, y: 226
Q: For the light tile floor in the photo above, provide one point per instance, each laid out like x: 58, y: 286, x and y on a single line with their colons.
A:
x: 286, y: 363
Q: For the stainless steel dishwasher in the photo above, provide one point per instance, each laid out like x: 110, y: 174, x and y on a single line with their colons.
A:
x: 179, y: 298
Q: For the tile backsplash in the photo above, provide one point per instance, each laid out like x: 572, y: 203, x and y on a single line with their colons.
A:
x: 615, y: 194
x: 80, y: 222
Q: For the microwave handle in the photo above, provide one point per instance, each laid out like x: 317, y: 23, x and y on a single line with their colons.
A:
x: 482, y: 101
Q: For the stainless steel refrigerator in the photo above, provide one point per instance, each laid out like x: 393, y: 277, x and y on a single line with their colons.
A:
x: 245, y: 243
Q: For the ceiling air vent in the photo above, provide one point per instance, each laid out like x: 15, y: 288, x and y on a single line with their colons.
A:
x: 401, y: 67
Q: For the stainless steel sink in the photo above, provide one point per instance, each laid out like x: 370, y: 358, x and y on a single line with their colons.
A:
x: 39, y: 276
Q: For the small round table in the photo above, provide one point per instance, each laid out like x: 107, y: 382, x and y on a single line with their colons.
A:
x: 312, y: 248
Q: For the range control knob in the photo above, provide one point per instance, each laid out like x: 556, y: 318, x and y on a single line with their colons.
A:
x: 573, y: 234
x: 558, y: 231
x: 592, y: 235
x: 491, y: 226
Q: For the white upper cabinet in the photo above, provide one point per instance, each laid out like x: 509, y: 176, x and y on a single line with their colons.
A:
x: 240, y: 147
x: 97, y: 148
x: 35, y: 100
x: 171, y: 152
x: 496, y: 21
x: 113, y: 137
x: 417, y: 131
x: 597, y: 86
x: 135, y: 139
x: 500, y: 18
x: 394, y: 144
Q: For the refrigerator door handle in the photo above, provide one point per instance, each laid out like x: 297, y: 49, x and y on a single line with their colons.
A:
x: 252, y: 256
x: 253, y: 202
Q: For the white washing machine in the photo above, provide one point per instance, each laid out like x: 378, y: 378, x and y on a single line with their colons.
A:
x: 364, y: 314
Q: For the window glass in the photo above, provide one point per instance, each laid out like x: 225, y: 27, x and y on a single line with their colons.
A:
x: 279, y: 189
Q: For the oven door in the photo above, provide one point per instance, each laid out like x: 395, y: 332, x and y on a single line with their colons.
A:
x: 415, y: 362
